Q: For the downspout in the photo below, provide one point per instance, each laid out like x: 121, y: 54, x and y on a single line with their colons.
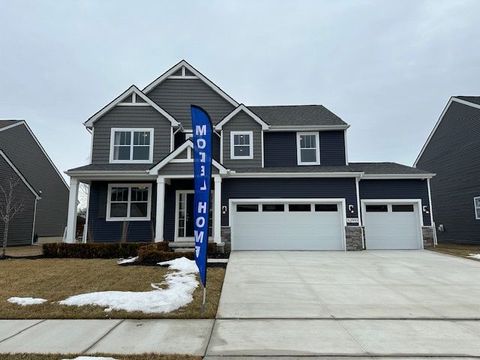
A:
x: 34, y: 218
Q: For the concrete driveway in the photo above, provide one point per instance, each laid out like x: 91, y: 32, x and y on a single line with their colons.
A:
x: 350, y: 285
x: 382, y: 303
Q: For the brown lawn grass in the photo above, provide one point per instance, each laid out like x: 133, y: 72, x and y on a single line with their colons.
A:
x: 457, y: 250
x: 118, y: 357
x: 57, y: 279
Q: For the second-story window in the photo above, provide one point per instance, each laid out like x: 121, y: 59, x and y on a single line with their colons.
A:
x: 131, y: 145
x: 308, y: 148
x: 241, y: 145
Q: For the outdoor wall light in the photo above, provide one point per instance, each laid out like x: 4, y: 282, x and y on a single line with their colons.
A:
x: 351, y: 208
x: 224, y: 209
x: 425, y: 209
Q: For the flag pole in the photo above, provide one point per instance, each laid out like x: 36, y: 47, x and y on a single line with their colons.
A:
x: 204, y: 298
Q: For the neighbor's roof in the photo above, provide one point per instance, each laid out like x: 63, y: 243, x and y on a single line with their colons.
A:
x: 472, y: 99
x: 297, y: 115
x: 5, y: 123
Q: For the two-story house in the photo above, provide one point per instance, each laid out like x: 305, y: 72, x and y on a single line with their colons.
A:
x: 281, y: 175
x: 452, y: 152
x: 39, y: 187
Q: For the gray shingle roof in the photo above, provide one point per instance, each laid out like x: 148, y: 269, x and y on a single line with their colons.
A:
x: 297, y: 115
x: 4, y: 123
x: 472, y: 99
x: 370, y: 168
x: 113, y: 167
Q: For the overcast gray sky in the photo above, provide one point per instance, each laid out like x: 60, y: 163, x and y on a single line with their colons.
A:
x: 386, y: 67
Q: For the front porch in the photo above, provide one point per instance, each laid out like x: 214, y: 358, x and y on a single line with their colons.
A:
x: 166, y: 212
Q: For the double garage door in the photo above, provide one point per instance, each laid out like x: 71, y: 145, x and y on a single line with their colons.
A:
x: 293, y: 225
x: 319, y: 225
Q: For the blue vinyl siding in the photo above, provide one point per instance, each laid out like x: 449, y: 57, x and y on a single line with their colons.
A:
x: 100, y: 230
x: 453, y: 154
x: 281, y: 148
x: 289, y: 188
x: 396, y: 189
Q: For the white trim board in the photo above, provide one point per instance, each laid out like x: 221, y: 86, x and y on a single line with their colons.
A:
x: 198, y: 74
x: 437, y: 124
x: 5, y: 157
x: 131, y: 90
x: 247, y: 111
x: 23, y: 122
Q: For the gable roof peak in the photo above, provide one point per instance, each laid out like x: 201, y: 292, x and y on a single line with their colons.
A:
x: 133, y: 89
x: 186, y: 66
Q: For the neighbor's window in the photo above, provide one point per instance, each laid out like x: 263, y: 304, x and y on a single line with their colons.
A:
x: 241, y: 146
x: 132, y: 145
x: 129, y: 202
x: 476, y: 202
x: 308, y: 148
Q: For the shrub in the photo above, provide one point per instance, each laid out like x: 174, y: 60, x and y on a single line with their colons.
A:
x: 150, y: 256
x: 92, y: 251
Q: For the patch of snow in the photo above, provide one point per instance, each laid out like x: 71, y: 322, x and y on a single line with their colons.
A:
x: 127, y: 261
x: 178, y: 292
x: 24, y: 301
x: 91, y: 358
x: 474, y: 256
x: 181, y: 264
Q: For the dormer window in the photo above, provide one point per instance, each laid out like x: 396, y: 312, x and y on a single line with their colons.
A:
x: 241, y: 145
x: 131, y: 145
x: 308, y: 148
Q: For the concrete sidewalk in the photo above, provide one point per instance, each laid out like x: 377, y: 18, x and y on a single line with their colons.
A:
x: 105, y: 336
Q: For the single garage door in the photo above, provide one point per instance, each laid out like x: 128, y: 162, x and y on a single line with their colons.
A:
x: 392, y: 225
x: 287, y: 226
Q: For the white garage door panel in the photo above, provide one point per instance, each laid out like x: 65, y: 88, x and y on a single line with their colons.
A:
x: 287, y: 230
x: 392, y: 230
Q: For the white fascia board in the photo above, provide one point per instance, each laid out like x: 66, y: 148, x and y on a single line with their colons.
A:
x: 19, y: 122
x: 197, y: 73
x: 131, y: 90
x: 187, y: 144
x: 30, y: 187
x: 397, y: 176
x: 452, y: 99
x: 245, y: 109
x: 297, y: 175
x: 307, y: 127
x: 23, y: 122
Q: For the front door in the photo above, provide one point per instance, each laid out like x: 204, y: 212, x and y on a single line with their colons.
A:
x: 184, y: 221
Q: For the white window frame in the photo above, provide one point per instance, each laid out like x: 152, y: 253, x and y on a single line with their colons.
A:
x: 317, y: 152
x: 232, y: 145
x: 132, y: 131
x: 129, y: 202
x: 477, y: 213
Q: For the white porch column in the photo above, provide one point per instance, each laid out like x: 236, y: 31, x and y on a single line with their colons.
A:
x: 160, y: 209
x: 217, y: 208
x: 72, y: 211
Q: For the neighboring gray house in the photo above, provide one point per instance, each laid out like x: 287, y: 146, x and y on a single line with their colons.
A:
x: 25, y: 157
x: 452, y: 151
x: 281, y: 175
